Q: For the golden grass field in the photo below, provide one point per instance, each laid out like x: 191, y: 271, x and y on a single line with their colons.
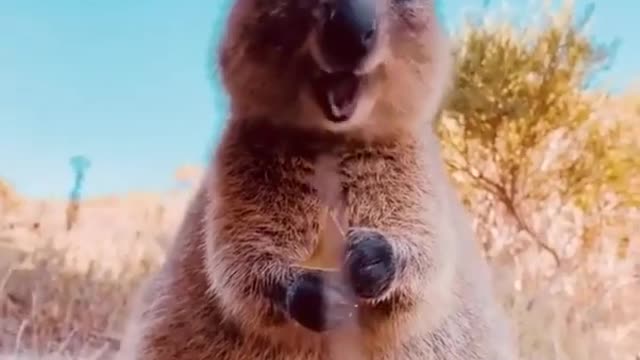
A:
x: 64, y: 294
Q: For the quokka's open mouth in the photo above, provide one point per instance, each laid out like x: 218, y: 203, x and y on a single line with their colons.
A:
x: 337, y: 94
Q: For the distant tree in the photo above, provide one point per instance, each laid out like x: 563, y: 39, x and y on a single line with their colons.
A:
x: 79, y: 165
x: 523, y: 125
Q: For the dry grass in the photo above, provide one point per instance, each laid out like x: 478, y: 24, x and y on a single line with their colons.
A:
x: 66, y: 294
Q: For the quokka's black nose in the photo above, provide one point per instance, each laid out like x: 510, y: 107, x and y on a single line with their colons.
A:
x: 348, y: 33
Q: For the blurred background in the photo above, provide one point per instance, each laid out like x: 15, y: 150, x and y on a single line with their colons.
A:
x: 109, y: 111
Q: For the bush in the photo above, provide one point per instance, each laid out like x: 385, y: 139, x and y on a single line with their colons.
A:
x: 523, y: 128
x: 544, y: 157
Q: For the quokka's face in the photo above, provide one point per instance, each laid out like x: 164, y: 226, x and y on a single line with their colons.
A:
x: 333, y: 63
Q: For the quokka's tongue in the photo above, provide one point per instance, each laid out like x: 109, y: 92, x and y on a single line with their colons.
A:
x: 341, y: 95
x: 338, y: 95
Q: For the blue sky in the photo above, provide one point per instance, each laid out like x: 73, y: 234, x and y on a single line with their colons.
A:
x: 127, y: 84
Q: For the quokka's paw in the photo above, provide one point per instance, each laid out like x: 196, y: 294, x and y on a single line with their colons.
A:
x: 370, y: 263
x: 320, y: 300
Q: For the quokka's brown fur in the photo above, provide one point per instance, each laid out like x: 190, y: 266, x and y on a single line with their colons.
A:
x: 225, y: 291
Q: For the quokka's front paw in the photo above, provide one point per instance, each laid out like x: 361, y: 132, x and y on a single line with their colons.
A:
x: 370, y: 262
x: 320, y: 301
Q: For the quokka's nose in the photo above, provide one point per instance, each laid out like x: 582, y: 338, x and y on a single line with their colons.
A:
x: 348, y: 33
